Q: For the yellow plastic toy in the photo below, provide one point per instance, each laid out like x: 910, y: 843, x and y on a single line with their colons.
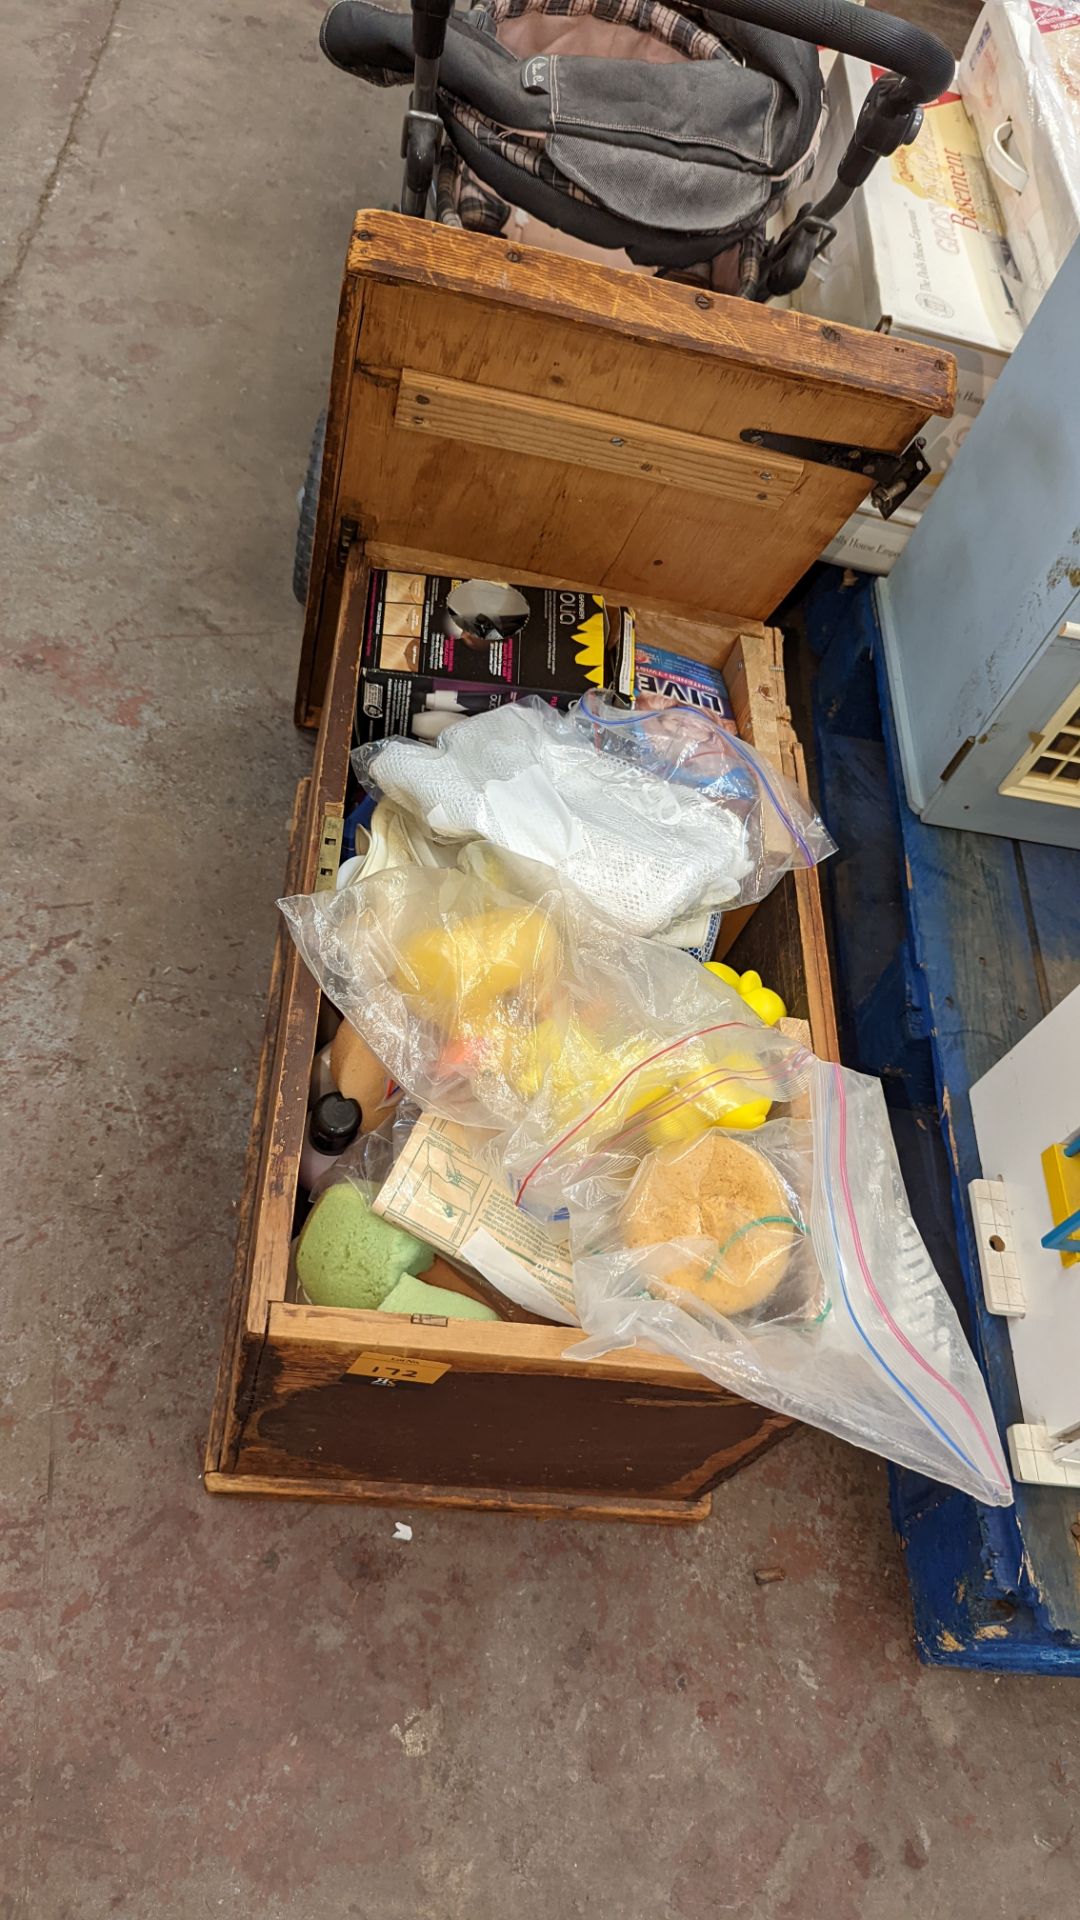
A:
x: 489, y: 979
x: 459, y: 972
x: 761, y: 1000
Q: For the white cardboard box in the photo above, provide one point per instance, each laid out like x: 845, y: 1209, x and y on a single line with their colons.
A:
x: 1020, y: 81
x: 870, y: 544
x: 920, y: 252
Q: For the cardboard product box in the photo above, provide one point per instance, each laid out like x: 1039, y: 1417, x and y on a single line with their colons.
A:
x: 920, y: 252
x: 1020, y: 81
x: 436, y: 648
x: 439, y: 1191
x: 663, y: 677
x: 870, y: 544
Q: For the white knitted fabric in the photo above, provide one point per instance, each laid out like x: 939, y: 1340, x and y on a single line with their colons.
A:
x: 645, y: 851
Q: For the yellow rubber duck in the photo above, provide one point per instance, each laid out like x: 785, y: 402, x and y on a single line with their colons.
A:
x: 761, y: 1000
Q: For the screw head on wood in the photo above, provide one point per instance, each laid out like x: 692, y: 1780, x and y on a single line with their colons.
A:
x: 617, y: 441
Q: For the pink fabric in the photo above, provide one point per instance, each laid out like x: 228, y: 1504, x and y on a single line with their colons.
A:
x: 586, y: 37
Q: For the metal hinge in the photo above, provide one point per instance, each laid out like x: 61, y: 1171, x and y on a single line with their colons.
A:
x: 347, y: 532
x: 333, y: 826
x: 895, y: 475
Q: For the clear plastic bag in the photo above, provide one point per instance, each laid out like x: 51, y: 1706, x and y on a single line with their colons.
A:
x: 650, y: 815
x: 368, y: 1160
x: 590, y: 1064
x: 529, y: 1018
x: 821, y: 1303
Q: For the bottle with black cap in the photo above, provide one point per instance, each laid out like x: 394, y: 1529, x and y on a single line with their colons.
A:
x: 333, y: 1125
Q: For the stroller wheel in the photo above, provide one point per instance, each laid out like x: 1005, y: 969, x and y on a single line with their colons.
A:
x: 307, y: 501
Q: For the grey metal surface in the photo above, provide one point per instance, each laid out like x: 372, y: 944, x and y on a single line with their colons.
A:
x: 973, y: 608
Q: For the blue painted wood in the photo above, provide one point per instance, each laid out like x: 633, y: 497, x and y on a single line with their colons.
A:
x: 990, y: 939
x: 1052, y: 879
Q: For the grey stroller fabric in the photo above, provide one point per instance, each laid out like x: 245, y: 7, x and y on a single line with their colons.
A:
x: 673, y: 158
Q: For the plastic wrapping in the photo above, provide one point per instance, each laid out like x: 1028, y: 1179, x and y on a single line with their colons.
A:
x: 651, y: 815
x: 616, y: 1080
x: 369, y: 1159
x: 835, y: 1315
x: 533, y: 1020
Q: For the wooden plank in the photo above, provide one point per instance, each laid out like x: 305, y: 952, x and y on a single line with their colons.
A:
x: 812, y: 942
x: 326, y: 578
x: 580, y: 436
x: 788, y: 947
x: 488, y: 1346
x: 488, y: 1422
x: 709, y: 639
x: 1050, y: 881
x: 643, y: 308
x: 540, y: 1506
x: 754, y: 674
x: 422, y: 559
x: 628, y: 539
x: 223, y: 1411
x: 275, y: 1198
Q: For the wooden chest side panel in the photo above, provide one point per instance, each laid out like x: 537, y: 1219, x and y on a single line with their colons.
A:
x: 286, y: 1115
x: 494, y: 1429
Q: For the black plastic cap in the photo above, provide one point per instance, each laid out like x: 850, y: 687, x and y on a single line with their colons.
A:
x: 335, y: 1123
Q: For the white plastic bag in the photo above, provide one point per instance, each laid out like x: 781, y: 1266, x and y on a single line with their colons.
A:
x: 651, y: 815
x: 875, y: 1354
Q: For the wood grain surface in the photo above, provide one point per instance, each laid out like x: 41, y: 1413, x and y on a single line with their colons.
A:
x: 522, y: 423
x: 549, y: 1505
x: 489, y: 1423
x: 568, y: 345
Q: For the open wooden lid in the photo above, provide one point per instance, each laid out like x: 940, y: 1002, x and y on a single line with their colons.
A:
x: 506, y: 411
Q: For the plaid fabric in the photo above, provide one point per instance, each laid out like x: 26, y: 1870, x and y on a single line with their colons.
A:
x: 476, y: 206
x: 522, y: 150
x: 751, y: 254
x: 461, y: 200
x: 684, y: 30
x: 464, y: 200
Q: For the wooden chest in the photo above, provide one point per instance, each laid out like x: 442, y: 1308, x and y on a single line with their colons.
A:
x: 512, y: 413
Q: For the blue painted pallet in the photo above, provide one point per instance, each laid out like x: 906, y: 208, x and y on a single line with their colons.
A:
x: 949, y: 946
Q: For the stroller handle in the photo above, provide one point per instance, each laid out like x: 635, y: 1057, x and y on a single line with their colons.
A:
x: 925, y: 65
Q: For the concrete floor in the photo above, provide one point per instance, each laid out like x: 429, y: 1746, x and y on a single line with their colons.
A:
x: 276, y: 1710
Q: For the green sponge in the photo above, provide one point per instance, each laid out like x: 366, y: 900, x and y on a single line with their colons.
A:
x: 417, y: 1296
x: 347, y: 1256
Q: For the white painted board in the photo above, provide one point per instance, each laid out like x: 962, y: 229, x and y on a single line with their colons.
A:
x: 1030, y: 1099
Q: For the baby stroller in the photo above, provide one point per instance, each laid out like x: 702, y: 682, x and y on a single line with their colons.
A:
x: 664, y: 131
x: 655, y: 135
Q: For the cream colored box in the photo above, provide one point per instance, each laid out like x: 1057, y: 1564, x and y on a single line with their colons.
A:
x: 1020, y: 80
x: 870, y: 544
